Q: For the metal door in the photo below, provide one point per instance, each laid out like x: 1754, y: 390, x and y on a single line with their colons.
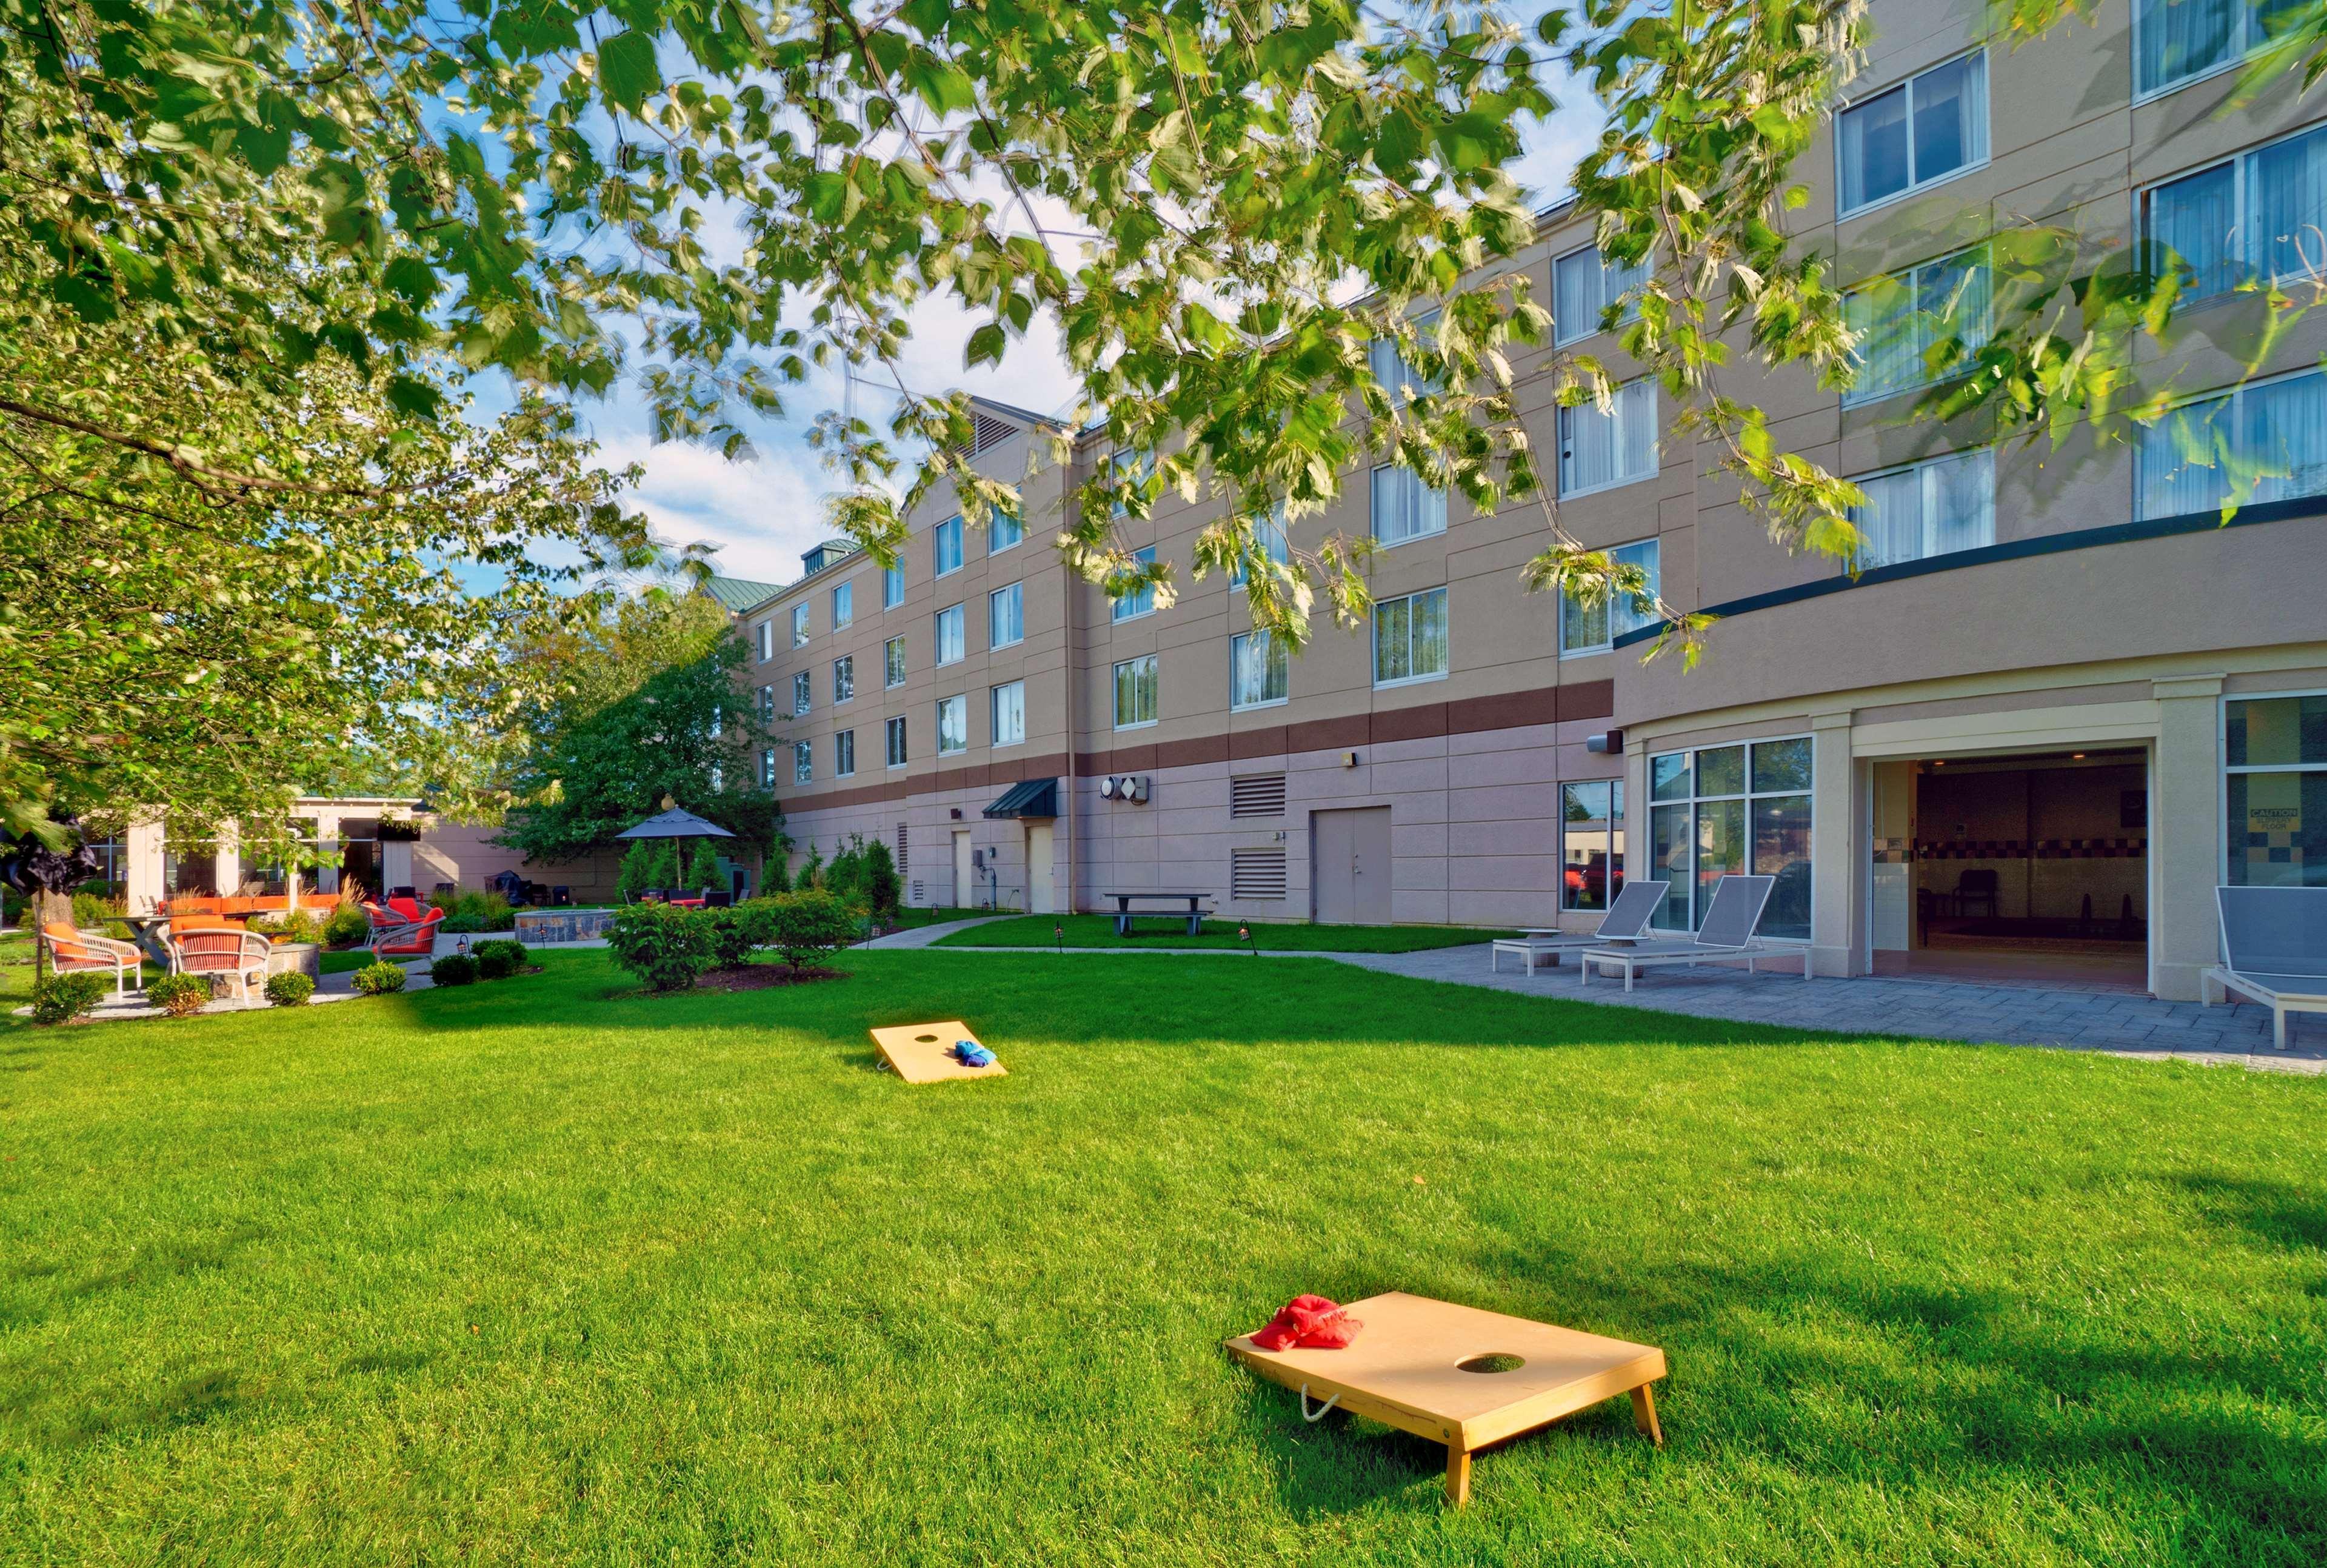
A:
x: 1349, y: 867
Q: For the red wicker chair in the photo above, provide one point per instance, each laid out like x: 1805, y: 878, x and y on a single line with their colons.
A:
x: 76, y: 953
x: 220, y: 950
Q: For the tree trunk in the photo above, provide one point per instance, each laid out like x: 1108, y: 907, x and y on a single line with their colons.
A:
x: 47, y: 907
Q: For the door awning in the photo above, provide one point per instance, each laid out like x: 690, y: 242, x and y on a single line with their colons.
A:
x: 1033, y: 797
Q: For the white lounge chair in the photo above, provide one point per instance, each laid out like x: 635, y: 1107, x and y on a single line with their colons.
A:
x: 1726, y: 933
x: 1626, y: 919
x: 2274, y: 950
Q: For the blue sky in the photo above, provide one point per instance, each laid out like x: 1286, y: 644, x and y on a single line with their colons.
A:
x: 761, y: 514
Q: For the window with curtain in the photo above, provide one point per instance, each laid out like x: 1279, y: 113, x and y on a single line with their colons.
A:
x: 2266, y: 442
x: 1410, y: 638
x: 1918, y: 328
x: 1593, y: 629
x: 1404, y: 507
x: 2178, y: 40
x: 844, y: 753
x: 1737, y: 809
x: 803, y: 763
x: 1259, y: 668
x: 945, y: 545
x: 1929, y: 508
x: 1142, y: 601
x: 1270, y: 534
x: 1583, y: 288
x: 892, y: 586
x: 799, y: 625
x: 844, y: 605
x: 953, y: 726
x: 1006, y: 616
x: 952, y: 635
x: 1928, y: 127
x: 1006, y: 529
x: 766, y: 637
x: 1129, y: 468
x: 1394, y: 372
x: 1008, y: 714
x: 1599, y: 449
x: 2259, y: 216
x: 1590, y: 843
x: 895, y: 736
x: 2275, y: 761
x: 800, y: 692
x: 1135, y: 692
x: 892, y: 661
x: 843, y: 678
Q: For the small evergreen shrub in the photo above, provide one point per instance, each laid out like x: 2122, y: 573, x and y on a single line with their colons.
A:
x: 61, y: 998
x: 664, y: 947
x: 882, y: 886
x: 500, y: 960
x: 179, y: 995
x: 289, y: 989
x: 453, y: 969
x: 346, y: 927
x: 638, y: 869
x: 703, y: 870
x: 378, y: 979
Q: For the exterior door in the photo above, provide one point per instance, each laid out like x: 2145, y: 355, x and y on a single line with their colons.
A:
x: 965, y: 876
x: 1349, y: 867
x: 1039, y: 901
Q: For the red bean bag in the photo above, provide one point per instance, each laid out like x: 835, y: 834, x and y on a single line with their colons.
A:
x: 1311, y: 1322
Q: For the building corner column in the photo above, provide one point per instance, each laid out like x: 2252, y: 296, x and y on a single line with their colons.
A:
x: 2185, y: 835
x: 141, y: 872
x: 1635, y: 824
x: 1837, y: 888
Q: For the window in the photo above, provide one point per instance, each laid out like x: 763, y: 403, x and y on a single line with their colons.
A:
x: 1269, y: 534
x: 843, y: 754
x: 1258, y: 669
x: 892, y: 662
x: 1590, y: 843
x: 1596, y: 629
x: 1135, y: 692
x: 1922, y: 131
x: 1729, y: 809
x: 944, y: 540
x: 765, y: 700
x: 1918, y: 328
x: 1007, y: 709
x: 1398, y: 377
x: 766, y: 631
x: 1006, y: 531
x: 952, y: 643
x: 1929, y: 508
x: 1006, y: 616
x: 799, y: 694
x: 802, y: 763
x: 1129, y: 468
x: 768, y: 768
x: 953, y: 726
x: 2275, y: 758
x: 2259, y: 216
x: 1410, y: 638
x: 844, y: 605
x: 799, y: 625
x: 1141, y: 601
x: 2264, y: 441
x: 843, y: 678
x: 1601, y: 449
x: 1404, y: 507
x: 892, y: 586
x: 1584, y: 287
x: 896, y: 738
x: 2178, y: 40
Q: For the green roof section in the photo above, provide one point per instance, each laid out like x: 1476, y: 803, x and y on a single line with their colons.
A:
x: 738, y: 594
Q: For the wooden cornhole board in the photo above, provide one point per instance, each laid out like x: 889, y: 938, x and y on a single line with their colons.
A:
x: 1405, y: 1369
x: 917, y: 1053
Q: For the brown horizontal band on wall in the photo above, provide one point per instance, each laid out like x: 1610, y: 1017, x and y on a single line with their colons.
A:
x: 1329, y: 734
x: 1263, y: 742
x: 1196, y: 753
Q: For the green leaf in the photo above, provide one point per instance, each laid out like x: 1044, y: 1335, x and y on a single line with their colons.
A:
x: 627, y: 69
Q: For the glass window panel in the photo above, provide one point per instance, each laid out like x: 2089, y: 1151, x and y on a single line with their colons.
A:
x: 800, y: 692
x: 1392, y: 628
x: 1575, y: 296
x: 1403, y: 508
x: 2192, y: 223
x: 2176, y: 468
x: 2276, y: 730
x: 893, y: 587
x: 1269, y: 534
x: 1006, y: 616
x: 843, y: 679
x: 2277, y: 827
x: 2182, y: 38
x: 1782, y: 765
x: 896, y: 742
x: 1950, y: 104
x: 1260, y: 668
x: 803, y: 763
x: 1668, y: 840
x: 1875, y: 153
x: 844, y: 605
x: 1141, y: 601
x: 1720, y: 847
x: 946, y: 540
x: 951, y: 635
x: 1582, y: 627
x: 1782, y: 849
x: 844, y: 752
x: 1669, y: 777
x: 1721, y: 771
x: 1006, y: 530
x: 1009, y: 714
x: 2283, y: 438
x: 1135, y: 692
x: 953, y: 724
x: 1585, y: 802
x: 1430, y: 632
x: 800, y: 624
x: 2287, y: 198
x: 1616, y: 446
x: 893, y: 661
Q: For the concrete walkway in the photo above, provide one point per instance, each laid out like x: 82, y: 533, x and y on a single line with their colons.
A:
x: 922, y: 936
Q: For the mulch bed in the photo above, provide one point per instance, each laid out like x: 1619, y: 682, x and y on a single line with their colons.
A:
x: 763, y: 977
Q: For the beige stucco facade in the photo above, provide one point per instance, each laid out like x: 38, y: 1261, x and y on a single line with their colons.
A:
x: 2079, y: 626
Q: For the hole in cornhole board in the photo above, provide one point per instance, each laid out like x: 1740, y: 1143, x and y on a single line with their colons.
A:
x: 920, y: 1053
x: 1493, y: 1362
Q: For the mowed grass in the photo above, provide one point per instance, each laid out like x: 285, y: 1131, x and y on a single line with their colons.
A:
x: 535, y: 1271
x: 1155, y: 930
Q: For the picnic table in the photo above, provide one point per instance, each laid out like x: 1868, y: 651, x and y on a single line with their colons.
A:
x: 1124, y: 913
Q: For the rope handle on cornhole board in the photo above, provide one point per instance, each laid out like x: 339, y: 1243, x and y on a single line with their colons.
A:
x: 1321, y: 1409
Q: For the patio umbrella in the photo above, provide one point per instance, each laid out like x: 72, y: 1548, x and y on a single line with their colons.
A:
x: 676, y: 823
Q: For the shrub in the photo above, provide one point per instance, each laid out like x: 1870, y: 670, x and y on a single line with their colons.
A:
x: 179, y: 995
x: 498, y: 960
x: 453, y: 969
x: 810, y: 923
x: 289, y: 989
x: 735, y: 933
x: 462, y: 925
x: 667, y: 948
x: 811, y: 871
x: 346, y: 927
x: 61, y: 998
x: 775, y: 872
x: 484, y: 910
x: 292, y: 925
x: 378, y: 979
x: 882, y: 886
x: 703, y: 870
x: 638, y: 869
x: 845, y: 875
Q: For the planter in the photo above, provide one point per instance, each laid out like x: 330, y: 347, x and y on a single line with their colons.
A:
x: 297, y: 959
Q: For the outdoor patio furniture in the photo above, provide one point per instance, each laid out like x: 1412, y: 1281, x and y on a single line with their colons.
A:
x: 716, y: 899
x: 561, y: 898
x: 73, y: 952
x: 405, y: 907
x: 402, y: 892
x: 654, y: 895
x: 1726, y: 933
x: 213, y: 951
x: 1977, y: 886
x: 1124, y: 913
x: 394, y: 936
x: 1626, y: 919
x: 2274, y: 950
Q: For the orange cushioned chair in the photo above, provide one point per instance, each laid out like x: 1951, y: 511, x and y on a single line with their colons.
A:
x: 220, y: 949
x: 74, y: 953
x: 394, y: 936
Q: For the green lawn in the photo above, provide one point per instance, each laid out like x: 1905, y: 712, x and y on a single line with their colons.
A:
x: 541, y: 1271
x: 1098, y: 931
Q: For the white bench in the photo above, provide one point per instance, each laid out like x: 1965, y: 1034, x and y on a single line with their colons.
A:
x: 1626, y: 919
